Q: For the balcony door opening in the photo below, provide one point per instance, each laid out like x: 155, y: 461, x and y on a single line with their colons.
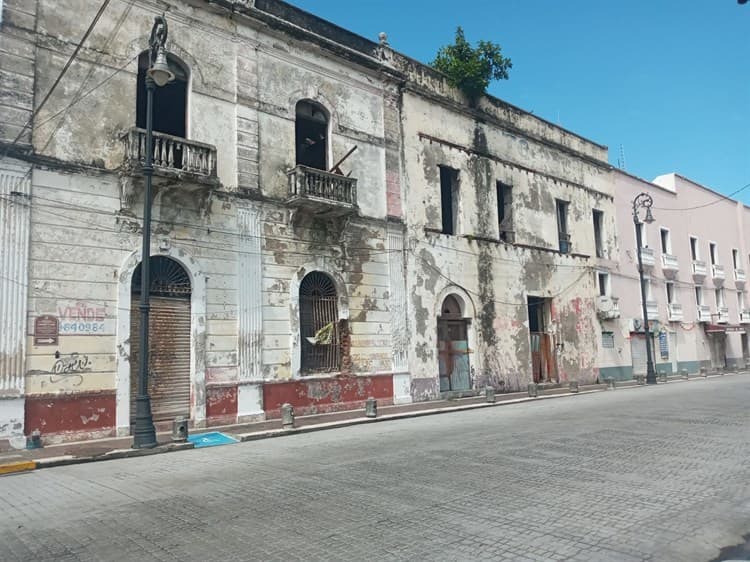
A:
x: 311, y: 135
x: 543, y: 364
x: 170, y: 100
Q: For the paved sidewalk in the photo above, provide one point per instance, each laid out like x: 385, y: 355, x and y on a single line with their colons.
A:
x: 112, y: 448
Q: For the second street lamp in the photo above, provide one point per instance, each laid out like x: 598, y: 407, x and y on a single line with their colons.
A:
x: 158, y: 74
x: 644, y: 201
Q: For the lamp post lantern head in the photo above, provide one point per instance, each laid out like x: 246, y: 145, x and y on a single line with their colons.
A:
x: 159, y: 71
x: 643, y: 201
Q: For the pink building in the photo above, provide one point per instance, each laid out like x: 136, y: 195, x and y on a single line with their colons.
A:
x: 695, y: 260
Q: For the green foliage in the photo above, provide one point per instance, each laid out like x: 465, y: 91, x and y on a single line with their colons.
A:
x: 472, y: 69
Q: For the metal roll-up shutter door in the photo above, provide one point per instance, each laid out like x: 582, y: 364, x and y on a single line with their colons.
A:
x: 169, y: 358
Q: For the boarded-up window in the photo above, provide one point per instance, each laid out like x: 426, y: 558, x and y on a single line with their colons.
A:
x: 318, y: 305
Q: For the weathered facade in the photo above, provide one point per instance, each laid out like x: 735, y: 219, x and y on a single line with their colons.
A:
x: 695, y: 262
x: 453, y: 248
x: 517, y: 252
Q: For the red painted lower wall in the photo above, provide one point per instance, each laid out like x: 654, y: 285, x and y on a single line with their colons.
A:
x: 70, y: 413
x: 221, y: 405
x: 333, y: 394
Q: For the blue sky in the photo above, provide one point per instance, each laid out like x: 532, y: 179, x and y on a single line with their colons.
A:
x: 668, y: 80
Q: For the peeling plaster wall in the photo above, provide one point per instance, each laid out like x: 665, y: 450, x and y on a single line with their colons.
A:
x: 498, y: 277
x: 238, y: 240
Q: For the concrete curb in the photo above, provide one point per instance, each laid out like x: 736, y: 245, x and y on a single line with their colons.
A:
x: 17, y: 466
x: 111, y: 455
x: 256, y: 436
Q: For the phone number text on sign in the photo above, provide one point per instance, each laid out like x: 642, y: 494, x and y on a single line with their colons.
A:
x: 82, y: 327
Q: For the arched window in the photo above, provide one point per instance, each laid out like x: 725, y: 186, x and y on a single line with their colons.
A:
x: 318, y: 311
x: 311, y: 135
x: 168, y: 278
x: 170, y: 100
x: 451, y: 308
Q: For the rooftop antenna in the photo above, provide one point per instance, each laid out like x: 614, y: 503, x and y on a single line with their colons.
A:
x: 621, y: 158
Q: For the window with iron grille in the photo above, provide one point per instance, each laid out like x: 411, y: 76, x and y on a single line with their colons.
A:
x: 318, y: 310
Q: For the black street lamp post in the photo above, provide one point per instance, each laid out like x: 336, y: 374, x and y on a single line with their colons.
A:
x: 644, y: 201
x: 158, y: 74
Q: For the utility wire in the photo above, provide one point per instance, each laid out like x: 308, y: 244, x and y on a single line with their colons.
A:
x: 58, y: 79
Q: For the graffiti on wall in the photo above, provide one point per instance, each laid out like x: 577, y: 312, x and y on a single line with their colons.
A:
x: 70, y: 367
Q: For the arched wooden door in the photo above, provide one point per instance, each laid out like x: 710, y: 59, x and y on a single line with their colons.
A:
x: 169, y: 340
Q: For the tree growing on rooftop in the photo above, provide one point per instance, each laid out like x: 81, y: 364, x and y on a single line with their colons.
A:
x: 471, y: 69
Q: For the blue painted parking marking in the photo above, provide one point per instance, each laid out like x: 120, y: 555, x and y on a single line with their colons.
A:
x: 212, y: 439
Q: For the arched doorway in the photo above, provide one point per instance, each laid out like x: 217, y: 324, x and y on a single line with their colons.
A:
x: 318, y: 312
x: 453, y: 346
x: 169, y: 339
x: 311, y: 135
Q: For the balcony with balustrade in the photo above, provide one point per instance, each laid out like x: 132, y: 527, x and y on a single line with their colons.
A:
x: 745, y: 316
x: 704, y: 313
x: 739, y: 277
x: 669, y: 265
x: 722, y: 314
x: 718, y: 274
x: 608, y: 307
x: 700, y: 270
x: 674, y: 311
x: 652, y: 310
x: 188, y: 163
x: 648, y: 257
x: 321, y: 193
x: 173, y: 157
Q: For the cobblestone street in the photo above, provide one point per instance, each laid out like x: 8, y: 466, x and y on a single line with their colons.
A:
x: 643, y: 474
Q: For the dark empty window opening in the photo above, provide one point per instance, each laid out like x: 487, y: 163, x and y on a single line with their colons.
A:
x: 318, y: 310
x: 170, y: 100
x: 670, y: 292
x: 449, y: 199
x: 603, y: 284
x: 311, y: 135
x: 665, y: 245
x: 598, y: 225
x: 735, y: 259
x: 505, y: 211
x: 562, y: 225
x: 694, y: 248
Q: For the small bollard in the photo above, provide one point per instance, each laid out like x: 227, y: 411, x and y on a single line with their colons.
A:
x: 704, y: 372
x: 371, y: 408
x: 35, y: 440
x: 662, y: 376
x: 684, y: 373
x: 489, y: 394
x: 287, y: 416
x: 180, y: 429
x: 640, y: 379
x: 610, y: 383
x: 573, y: 386
x: 533, y: 390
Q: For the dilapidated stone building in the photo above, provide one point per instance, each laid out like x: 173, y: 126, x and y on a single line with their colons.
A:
x: 331, y: 221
